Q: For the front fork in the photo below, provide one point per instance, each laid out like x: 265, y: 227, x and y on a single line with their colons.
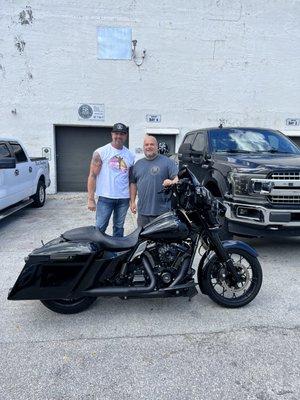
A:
x: 221, y: 251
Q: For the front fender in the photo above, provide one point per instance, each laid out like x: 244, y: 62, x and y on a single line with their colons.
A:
x: 208, y: 255
x: 238, y: 244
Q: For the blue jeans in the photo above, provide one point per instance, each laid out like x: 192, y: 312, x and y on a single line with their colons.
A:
x: 105, y: 207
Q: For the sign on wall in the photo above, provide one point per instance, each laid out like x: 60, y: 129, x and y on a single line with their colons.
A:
x: 114, y: 43
x: 46, y: 152
x: 91, y: 112
x: 153, y: 118
x: 290, y: 122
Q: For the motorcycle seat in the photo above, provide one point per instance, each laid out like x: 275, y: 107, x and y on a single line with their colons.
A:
x: 92, y: 234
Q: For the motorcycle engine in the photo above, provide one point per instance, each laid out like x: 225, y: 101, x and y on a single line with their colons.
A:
x: 167, y: 254
x: 168, y: 260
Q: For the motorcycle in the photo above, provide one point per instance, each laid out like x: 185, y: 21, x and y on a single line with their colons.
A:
x: 70, y: 272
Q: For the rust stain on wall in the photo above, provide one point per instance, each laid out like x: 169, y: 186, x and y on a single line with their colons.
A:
x: 26, y: 16
x: 20, y: 44
x: 2, y: 68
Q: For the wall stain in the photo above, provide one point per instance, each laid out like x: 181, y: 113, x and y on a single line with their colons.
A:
x: 2, y: 68
x: 26, y: 16
x: 20, y: 44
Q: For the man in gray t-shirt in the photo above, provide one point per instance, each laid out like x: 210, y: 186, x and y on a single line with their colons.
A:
x: 148, y: 177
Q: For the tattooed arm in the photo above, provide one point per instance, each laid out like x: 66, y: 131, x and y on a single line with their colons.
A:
x: 95, y: 168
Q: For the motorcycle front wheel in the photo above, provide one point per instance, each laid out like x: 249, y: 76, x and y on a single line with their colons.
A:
x: 71, y: 306
x: 220, y: 286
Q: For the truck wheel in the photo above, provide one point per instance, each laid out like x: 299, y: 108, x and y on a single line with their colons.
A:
x: 40, y: 196
x: 71, y: 306
x: 223, y: 232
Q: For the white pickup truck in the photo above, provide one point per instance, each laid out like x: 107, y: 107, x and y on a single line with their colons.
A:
x: 23, y: 180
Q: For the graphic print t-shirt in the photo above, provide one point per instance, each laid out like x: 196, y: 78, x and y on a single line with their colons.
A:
x: 112, y: 182
x: 149, y: 176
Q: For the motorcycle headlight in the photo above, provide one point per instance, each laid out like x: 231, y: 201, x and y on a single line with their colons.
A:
x: 242, y: 184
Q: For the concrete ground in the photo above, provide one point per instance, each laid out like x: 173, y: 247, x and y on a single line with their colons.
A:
x: 147, y: 348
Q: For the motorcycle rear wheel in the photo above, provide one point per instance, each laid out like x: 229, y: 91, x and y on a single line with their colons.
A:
x: 72, y: 306
x: 219, y: 286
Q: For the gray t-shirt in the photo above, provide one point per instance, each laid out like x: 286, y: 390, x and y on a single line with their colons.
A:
x: 149, y: 176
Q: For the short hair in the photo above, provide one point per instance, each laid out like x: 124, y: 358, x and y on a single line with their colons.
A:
x: 152, y: 137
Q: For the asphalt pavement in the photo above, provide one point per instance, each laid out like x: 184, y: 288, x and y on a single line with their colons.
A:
x: 146, y: 348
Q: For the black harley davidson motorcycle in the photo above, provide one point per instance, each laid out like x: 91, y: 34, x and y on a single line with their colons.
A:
x: 68, y: 273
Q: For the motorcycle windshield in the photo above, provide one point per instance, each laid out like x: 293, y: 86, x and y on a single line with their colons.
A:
x: 187, y: 173
x: 194, y: 179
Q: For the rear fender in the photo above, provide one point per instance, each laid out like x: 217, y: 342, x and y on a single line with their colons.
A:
x: 208, y: 255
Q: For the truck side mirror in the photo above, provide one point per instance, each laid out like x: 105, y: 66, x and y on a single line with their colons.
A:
x: 184, y: 150
x: 8, y: 163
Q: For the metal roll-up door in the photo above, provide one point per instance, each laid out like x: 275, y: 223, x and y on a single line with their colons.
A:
x: 166, y: 143
x: 74, y: 149
x: 295, y: 139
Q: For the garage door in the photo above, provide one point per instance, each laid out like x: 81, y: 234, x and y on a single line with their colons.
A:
x: 166, y: 143
x: 74, y: 149
x: 295, y: 139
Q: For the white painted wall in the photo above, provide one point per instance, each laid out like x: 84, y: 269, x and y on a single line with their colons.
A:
x: 234, y: 60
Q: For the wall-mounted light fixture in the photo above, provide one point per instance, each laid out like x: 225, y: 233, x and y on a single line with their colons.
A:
x: 137, y: 60
x: 14, y: 111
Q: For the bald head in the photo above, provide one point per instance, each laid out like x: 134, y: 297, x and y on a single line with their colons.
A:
x: 150, y: 147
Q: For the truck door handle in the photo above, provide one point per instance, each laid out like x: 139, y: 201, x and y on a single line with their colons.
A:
x: 30, y: 169
x: 17, y: 172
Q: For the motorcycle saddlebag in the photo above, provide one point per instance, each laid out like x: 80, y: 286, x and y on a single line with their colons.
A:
x: 53, y: 270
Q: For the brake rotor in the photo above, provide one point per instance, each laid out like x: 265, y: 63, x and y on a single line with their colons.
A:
x: 242, y: 272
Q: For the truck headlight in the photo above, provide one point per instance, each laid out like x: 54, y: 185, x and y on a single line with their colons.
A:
x: 241, y: 183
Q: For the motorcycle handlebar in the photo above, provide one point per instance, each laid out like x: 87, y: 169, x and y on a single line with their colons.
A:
x: 201, y: 195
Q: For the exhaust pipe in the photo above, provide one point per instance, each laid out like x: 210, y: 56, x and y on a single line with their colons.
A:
x: 125, y: 291
x: 182, y: 273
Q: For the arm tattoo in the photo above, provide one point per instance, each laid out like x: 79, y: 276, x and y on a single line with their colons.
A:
x: 96, y: 160
x: 96, y: 164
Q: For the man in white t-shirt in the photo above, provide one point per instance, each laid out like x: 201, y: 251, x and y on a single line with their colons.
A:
x: 109, y: 180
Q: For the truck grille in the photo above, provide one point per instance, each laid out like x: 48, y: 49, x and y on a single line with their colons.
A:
x: 287, y: 176
x: 284, y: 199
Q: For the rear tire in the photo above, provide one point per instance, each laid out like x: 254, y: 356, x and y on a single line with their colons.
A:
x: 40, y: 196
x: 71, y: 306
x: 218, y: 285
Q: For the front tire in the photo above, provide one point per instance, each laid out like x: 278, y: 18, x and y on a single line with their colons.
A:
x: 218, y: 285
x: 71, y: 306
x: 40, y: 196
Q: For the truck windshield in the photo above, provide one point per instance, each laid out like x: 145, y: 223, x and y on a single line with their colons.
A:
x: 246, y: 140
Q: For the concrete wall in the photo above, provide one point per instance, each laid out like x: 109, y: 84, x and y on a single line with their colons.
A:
x: 206, y: 61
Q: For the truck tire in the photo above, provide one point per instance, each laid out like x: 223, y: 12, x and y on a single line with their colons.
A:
x: 224, y: 232
x: 40, y: 196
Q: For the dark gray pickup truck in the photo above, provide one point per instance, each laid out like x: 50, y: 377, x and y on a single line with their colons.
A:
x: 255, y: 173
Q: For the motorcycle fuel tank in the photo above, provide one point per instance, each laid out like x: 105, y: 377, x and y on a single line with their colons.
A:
x: 166, y: 227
